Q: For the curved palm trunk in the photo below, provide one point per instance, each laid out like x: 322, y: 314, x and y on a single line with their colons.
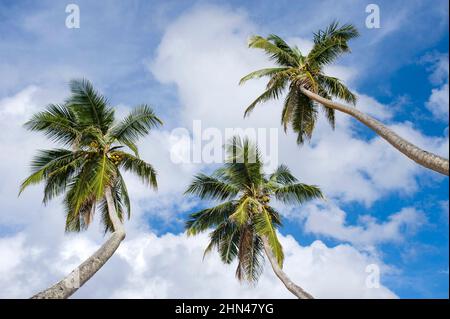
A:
x: 424, y: 158
x: 290, y: 285
x: 78, y: 277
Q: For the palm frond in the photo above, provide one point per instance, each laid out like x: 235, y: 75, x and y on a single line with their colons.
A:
x: 243, y: 211
x: 47, y: 162
x: 81, y: 189
x: 243, y: 162
x: 264, y: 227
x: 132, y: 146
x: 330, y: 43
x: 118, y: 206
x: 57, y: 122
x: 262, y: 73
x: 345, y: 32
x: 90, y: 107
x: 329, y: 112
x: 334, y: 87
x: 105, y: 173
x: 282, y: 55
x: 273, y: 90
x: 250, y: 256
x: 274, y: 216
x: 281, y: 44
x: 137, y: 124
x: 56, y: 181
x: 122, y: 186
x: 140, y: 168
x: 210, y: 217
x: 226, y: 239
x: 290, y: 103
x: 79, y: 220
x: 297, y: 193
x: 210, y: 187
x: 304, y: 119
x: 282, y: 175
x: 104, y: 215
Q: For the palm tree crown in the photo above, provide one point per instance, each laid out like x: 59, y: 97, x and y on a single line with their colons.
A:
x: 296, y: 70
x: 245, y: 218
x: 91, y: 164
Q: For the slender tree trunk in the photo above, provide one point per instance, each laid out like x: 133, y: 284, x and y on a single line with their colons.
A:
x: 78, y: 277
x: 290, y: 285
x: 424, y: 158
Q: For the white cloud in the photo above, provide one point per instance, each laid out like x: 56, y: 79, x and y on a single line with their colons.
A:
x: 162, y: 267
x: 17, y: 149
x: 438, y: 102
x: 19, y: 104
x: 330, y: 221
x: 438, y: 66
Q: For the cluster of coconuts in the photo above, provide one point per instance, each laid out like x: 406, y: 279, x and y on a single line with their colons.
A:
x: 116, y: 158
x: 264, y: 199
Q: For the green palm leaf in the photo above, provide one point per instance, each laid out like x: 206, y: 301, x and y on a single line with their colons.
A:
x: 210, y: 187
x: 262, y: 73
x: 297, y: 193
x: 226, y: 239
x: 330, y: 43
x: 280, y: 54
x: 90, y: 107
x: 243, y: 162
x: 282, y: 175
x: 140, y: 168
x: 265, y: 228
x: 274, y: 89
x: 47, y: 162
x: 250, y: 265
x: 305, y: 116
x: 57, y: 122
x: 210, y: 217
x: 334, y: 87
x: 137, y: 124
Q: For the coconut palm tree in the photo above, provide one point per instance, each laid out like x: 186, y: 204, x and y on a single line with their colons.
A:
x: 307, y: 86
x: 244, y: 225
x: 87, y: 169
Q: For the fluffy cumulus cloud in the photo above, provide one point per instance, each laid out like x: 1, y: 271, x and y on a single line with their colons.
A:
x: 331, y: 221
x: 148, y: 266
x: 438, y: 102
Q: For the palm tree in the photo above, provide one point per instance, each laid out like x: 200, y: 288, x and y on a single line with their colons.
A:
x: 307, y: 86
x: 245, y: 224
x: 88, y: 172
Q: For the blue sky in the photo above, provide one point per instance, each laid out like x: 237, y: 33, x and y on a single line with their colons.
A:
x: 185, y: 59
